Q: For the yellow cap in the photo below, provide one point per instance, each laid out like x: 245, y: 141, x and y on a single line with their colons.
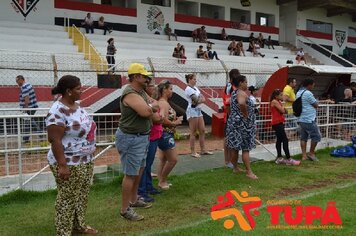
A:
x: 136, y: 68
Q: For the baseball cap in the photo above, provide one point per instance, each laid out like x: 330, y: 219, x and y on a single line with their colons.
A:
x: 136, y: 68
x: 252, y: 88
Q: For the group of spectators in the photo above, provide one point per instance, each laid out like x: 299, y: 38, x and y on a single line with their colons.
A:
x: 147, y: 122
x: 240, y: 120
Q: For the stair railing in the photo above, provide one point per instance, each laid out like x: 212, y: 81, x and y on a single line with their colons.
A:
x: 330, y: 53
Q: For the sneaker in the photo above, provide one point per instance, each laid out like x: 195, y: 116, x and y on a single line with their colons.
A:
x: 140, y: 204
x: 146, y: 198
x: 312, y: 158
x: 229, y: 165
x: 154, y: 191
x: 130, y: 214
x: 280, y: 161
x: 292, y: 162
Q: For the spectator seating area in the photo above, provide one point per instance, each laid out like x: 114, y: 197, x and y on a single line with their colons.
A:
x: 34, y: 50
x: 28, y: 46
x: 136, y: 46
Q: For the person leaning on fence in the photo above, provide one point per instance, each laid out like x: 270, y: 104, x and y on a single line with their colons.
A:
x: 353, y: 88
x: 110, y: 54
x: 307, y: 120
x: 289, y: 98
x: 195, y: 116
x: 132, y: 138
x: 166, y: 143
x: 345, y: 113
x: 88, y: 23
x: 241, y: 126
x: 71, y: 132
x: 27, y: 100
x: 278, y: 111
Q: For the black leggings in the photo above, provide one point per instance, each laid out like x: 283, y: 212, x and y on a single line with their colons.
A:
x: 111, y: 62
x: 281, y: 138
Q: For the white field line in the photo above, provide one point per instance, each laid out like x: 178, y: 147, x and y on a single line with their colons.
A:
x: 296, y: 197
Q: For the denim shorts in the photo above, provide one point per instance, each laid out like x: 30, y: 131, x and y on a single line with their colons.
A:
x: 309, y: 130
x: 193, y: 112
x: 166, y: 142
x: 133, y: 151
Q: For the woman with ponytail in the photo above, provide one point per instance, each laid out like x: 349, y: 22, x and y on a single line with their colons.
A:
x: 167, y: 143
x: 195, y: 116
x: 71, y: 132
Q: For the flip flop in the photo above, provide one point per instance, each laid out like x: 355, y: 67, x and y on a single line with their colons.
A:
x: 238, y: 170
x: 165, y: 187
x: 195, y: 155
x: 252, y: 176
x: 86, y: 230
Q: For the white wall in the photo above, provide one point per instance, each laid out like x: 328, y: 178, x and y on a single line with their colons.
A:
x: 42, y: 13
x: 265, y: 6
x: 153, y: 18
x: 340, y: 22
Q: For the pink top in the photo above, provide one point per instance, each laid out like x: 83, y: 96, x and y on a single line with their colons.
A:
x: 156, y: 131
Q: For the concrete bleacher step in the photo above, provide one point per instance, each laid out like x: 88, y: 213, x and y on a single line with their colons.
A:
x: 39, y: 47
x: 25, y: 25
x: 35, y: 39
x: 135, y: 45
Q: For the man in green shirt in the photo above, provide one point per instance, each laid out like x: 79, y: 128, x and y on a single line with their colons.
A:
x: 132, y: 137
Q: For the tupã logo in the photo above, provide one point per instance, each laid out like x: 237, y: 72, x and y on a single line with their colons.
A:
x: 225, y: 208
x: 24, y: 6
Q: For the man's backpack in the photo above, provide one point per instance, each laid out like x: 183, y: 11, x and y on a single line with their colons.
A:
x: 298, y: 105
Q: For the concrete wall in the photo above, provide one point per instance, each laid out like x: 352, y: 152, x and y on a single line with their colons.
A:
x: 41, y: 13
x: 340, y: 22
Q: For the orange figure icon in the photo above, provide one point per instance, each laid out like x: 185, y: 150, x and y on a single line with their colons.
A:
x: 245, y: 225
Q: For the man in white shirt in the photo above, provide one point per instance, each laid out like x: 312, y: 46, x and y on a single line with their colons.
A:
x: 88, y: 24
x: 300, y: 56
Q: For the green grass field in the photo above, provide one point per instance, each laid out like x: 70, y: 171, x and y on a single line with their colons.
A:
x: 185, y: 208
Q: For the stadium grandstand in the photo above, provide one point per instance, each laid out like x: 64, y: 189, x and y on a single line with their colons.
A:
x: 46, y: 39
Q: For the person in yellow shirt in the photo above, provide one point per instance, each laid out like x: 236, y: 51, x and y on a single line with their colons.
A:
x: 289, y: 98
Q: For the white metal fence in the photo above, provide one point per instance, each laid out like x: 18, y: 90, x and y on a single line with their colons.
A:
x: 24, y: 164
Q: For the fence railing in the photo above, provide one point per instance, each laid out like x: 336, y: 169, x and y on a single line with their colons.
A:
x: 305, y: 41
x: 90, y: 53
x: 24, y: 163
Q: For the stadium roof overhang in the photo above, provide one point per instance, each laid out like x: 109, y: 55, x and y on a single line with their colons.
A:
x: 333, y: 7
x: 325, y: 75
